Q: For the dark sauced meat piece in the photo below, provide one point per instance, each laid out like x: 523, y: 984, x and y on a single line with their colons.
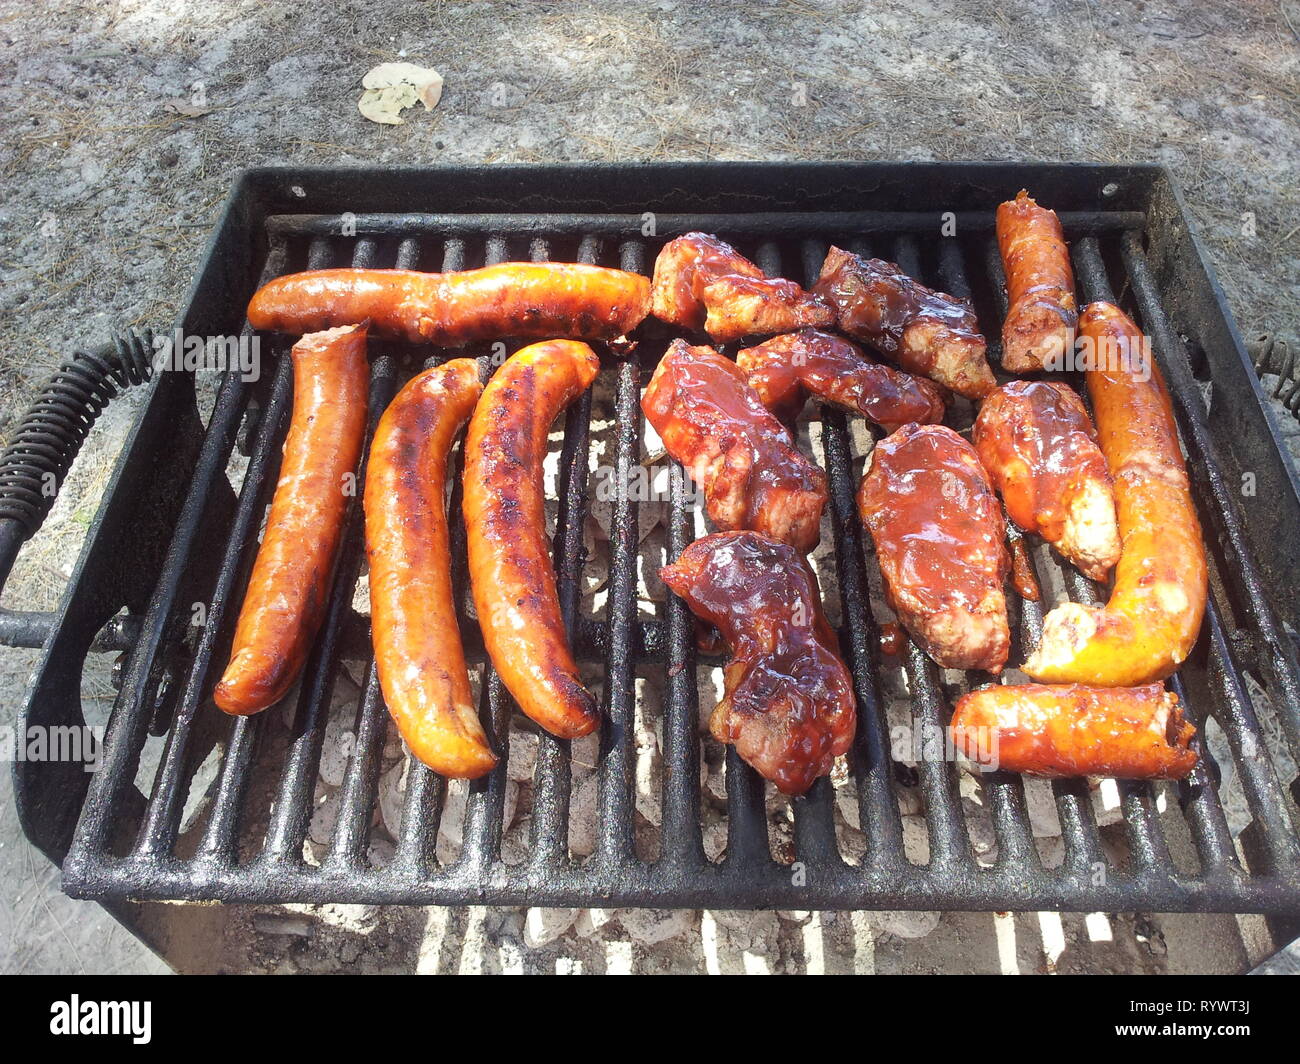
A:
x: 939, y: 535
x: 788, y: 706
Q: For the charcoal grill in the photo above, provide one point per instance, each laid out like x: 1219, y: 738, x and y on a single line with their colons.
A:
x: 174, y: 530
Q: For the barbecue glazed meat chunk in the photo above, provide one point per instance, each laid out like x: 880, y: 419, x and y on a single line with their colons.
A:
x: 924, y: 331
x: 836, y: 372
x: 701, y: 282
x: 788, y: 705
x: 746, y: 461
x: 938, y: 533
x: 1039, y: 445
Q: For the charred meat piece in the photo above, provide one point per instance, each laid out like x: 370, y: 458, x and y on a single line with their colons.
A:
x: 788, y: 705
x: 701, y: 282
x: 835, y: 371
x: 1073, y: 730
x: 939, y: 533
x: 713, y: 422
x: 1039, y: 445
x: 924, y: 331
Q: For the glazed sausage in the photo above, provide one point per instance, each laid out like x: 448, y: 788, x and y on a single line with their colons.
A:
x: 525, y: 299
x: 509, y: 555
x: 788, y: 705
x: 1038, y: 444
x: 924, y: 331
x: 1150, y: 624
x: 1041, y: 316
x: 702, y: 282
x: 836, y: 372
x: 289, y: 586
x: 939, y: 535
x: 746, y: 461
x: 1125, y: 732
x: 418, y: 652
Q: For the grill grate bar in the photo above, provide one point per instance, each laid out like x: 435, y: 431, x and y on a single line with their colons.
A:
x: 360, y: 782
x: 618, y: 768
x: 754, y: 224
x: 949, y: 844
x: 682, y: 832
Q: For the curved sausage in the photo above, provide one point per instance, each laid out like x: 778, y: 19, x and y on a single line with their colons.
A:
x: 1150, y: 624
x: 526, y: 299
x: 1038, y: 444
x: 835, y: 371
x: 509, y: 555
x: 789, y: 706
x: 418, y: 652
x: 1039, y: 328
x: 924, y: 331
x: 1128, y: 733
x: 939, y: 536
x: 289, y: 586
x: 746, y: 461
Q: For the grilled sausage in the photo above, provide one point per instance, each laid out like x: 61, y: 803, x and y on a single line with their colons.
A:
x: 289, y: 586
x: 924, y: 331
x: 418, y: 652
x: 1125, y: 732
x: 1041, y: 316
x: 702, y: 282
x: 1150, y: 624
x: 939, y: 536
x: 836, y: 372
x: 509, y: 556
x: 1038, y: 444
x: 788, y: 706
x: 525, y: 299
x: 746, y: 461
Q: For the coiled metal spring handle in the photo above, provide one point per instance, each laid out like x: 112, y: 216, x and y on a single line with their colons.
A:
x: 38, y: 456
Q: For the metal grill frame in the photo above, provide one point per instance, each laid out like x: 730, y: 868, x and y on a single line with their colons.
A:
x: 169, y: 511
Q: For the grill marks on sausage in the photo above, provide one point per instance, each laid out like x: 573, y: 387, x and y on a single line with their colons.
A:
x: 514, y: 586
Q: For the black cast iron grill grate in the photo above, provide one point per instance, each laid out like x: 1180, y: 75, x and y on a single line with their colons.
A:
x: 130, y: 844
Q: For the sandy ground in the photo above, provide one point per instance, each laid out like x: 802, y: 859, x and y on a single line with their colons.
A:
x: 108, y: 194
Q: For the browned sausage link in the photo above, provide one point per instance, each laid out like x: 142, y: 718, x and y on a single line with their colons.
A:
x: 1041, y: 315
x: 526, y: 299
x: 289, y: 587
x: 1125, y: 732
x: 924, y: 331
x: 1149, y: 625
x: 835, y: 371
x: 509, y: 556
x: 418, y: 652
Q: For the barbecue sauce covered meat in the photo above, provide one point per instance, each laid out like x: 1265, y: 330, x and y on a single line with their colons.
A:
x: 939, y: 533
x: 835, y: 371
x: 1038, y: 444
x: 713, y: 422
x: 788, y: 705
x: 1073, y: 730
x: 701, y: 282
x: 924, y: 331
